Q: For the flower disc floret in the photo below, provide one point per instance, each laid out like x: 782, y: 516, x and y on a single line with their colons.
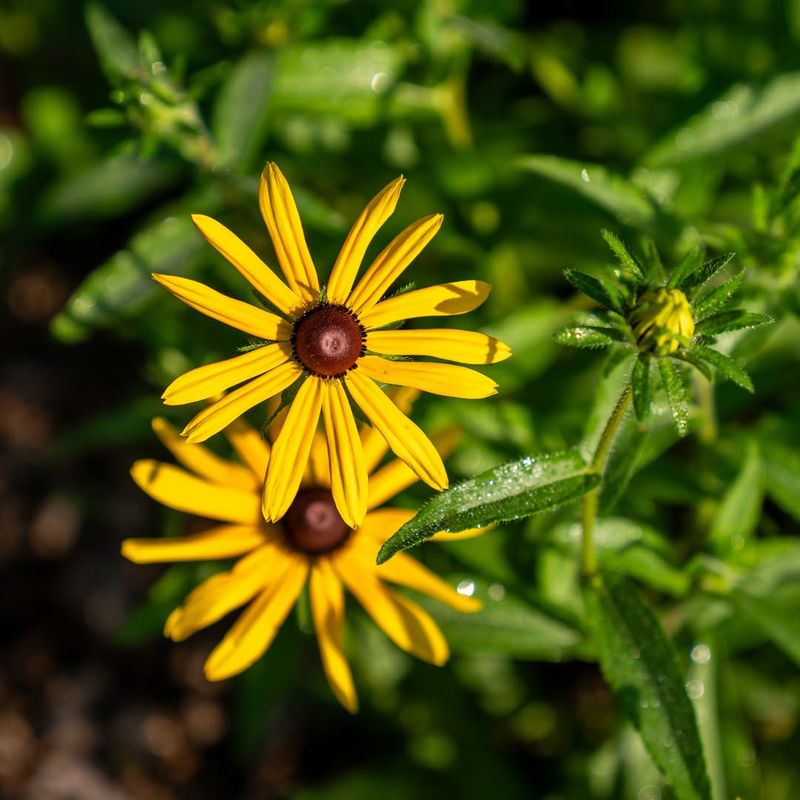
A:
x: 328, y: 340
x: 313, y: 525
x: 661, y: 318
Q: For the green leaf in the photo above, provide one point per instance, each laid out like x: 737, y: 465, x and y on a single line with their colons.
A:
x: 600, y: 291
x: 610, y: 192
x: 506, y: 625
x: 242, y: 112
x: 116, y: 48
x: 341, y: 78
x: 642, y: 386
x: 653, y: 268
x: 771, y: 617
x: 753, y: 112
x: 510, y: 491
x: 782, y: 480
x: 123, y: 286
x: 740, y: 507
x: 640, y: 664
x: 673, y: 384
x: 725, y: 365
x: 623, y: 255
x: 717, y: 298
x: 732, y: 320
x: 703, y: 275
x: 691, y: 263
x: 586, y: 336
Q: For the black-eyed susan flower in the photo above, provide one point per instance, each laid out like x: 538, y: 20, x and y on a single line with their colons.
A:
x: 331, y: 341
x: 311, y: 545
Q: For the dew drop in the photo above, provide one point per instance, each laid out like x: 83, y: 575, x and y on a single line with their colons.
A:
x: 695, y: 689
x: 585, y: 175
x: 701, y: 654
x: 466, y: 588
x: 497, y: 591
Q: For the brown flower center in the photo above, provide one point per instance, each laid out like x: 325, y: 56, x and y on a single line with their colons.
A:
x: 313, y: 525
x: 328, y: 340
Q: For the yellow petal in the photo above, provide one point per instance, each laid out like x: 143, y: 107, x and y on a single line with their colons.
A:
x: 202, y: 461
x: 469, y: 533
x: 290, y: 450
x: 467, y: 347
x: 395, y: 476
x: 405, y: 623
x: 283, y: 223
x: 176, y: 488
x: 445, y: 379
x: 250, y: 447
x: 407, y: 571
x: 252, y: 268
x: 444, y: 300
x: 255, y: 629
x: 378, y: 210
x: 317, y: 470
x: 213, y: 419
x: 348, y: 471
x: 391, y: 262
x: 226, y: 591
x: 327, y: 608
x: 374, y: 444
x: 224, y: 541
x: 405, y: 439
x: 239, y: 315
x: 211, y: 379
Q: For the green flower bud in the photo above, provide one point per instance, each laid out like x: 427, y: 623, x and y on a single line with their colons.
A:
x: 659, y: 315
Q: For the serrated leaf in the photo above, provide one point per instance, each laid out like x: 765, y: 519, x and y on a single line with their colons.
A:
x: 653, y: 268
x: 610, y: 192
x: 602, y: 292
x: 508, y: 492
x: 242, y: 112
x: 641, y: 666
x: 116, y: 48
x: 673, y: 384
x: 642, y: 386
x: 626, y: 260
x: 733, y: 320
x: 740, y: 506
x: 586, y: 336
x: 755, y: 110
x: 506, y: 625
x: 723, y: 364
x: 717, y: 298
x: 703, y: 275
x: 691, y: 263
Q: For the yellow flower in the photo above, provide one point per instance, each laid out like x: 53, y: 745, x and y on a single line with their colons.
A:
x: 659, y: 314
x: 311, y: 544
x: 332, y: 339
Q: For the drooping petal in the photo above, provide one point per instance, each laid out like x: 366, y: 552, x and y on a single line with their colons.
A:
x: 213, y: 419
x: 374, y: 444
x: 255, y: 629
x: 327, y: 608
x: 224, y: 541
x: 449, y: 380
x: 239, y: 315
x: 202, y: 461
x: 286, y: 231
x: 391, y: 262
x: 290, y: 450
x: 377, y: 211
x: 407, y: 571
x: 444, y: 300
x: 318, y: 471
x: 405, y: 439
x: 348, y: 472
x: 175, y: 488
x: 252, y: 268
x: 212, y: 379
x: 405, y: 623
x: 467, y: 347
x: 226, y: 591
x: 250, y: 447
x: 395, y: 476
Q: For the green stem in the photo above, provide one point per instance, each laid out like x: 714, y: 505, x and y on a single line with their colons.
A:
x: 598, y: 465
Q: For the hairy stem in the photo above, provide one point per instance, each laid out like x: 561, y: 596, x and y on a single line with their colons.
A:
x: 598, y: 465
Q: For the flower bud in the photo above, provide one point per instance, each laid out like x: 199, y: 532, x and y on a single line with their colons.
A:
x: 660, y: 316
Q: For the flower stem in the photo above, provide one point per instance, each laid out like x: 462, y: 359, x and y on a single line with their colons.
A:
x: 592, y: 499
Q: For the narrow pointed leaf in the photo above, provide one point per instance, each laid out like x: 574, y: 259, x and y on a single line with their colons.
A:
x: 690, y: 264
x: 732, y: 320
x: 640, y: 664
x: 600, y: 291
x: 672, y: 380
x: 706, y: 272
x: 510, y: 491
x: 586, y: 336
x: 726, y: 366
x: 623, y: 255
x: 715, y: 300
x: 772, y: 619
x: 642, y: 386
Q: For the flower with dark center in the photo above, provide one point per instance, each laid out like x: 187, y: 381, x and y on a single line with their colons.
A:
x: 312, y: 545
x: 335, y: 343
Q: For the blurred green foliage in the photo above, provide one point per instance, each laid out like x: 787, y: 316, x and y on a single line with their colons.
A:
x: 531, y: 128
